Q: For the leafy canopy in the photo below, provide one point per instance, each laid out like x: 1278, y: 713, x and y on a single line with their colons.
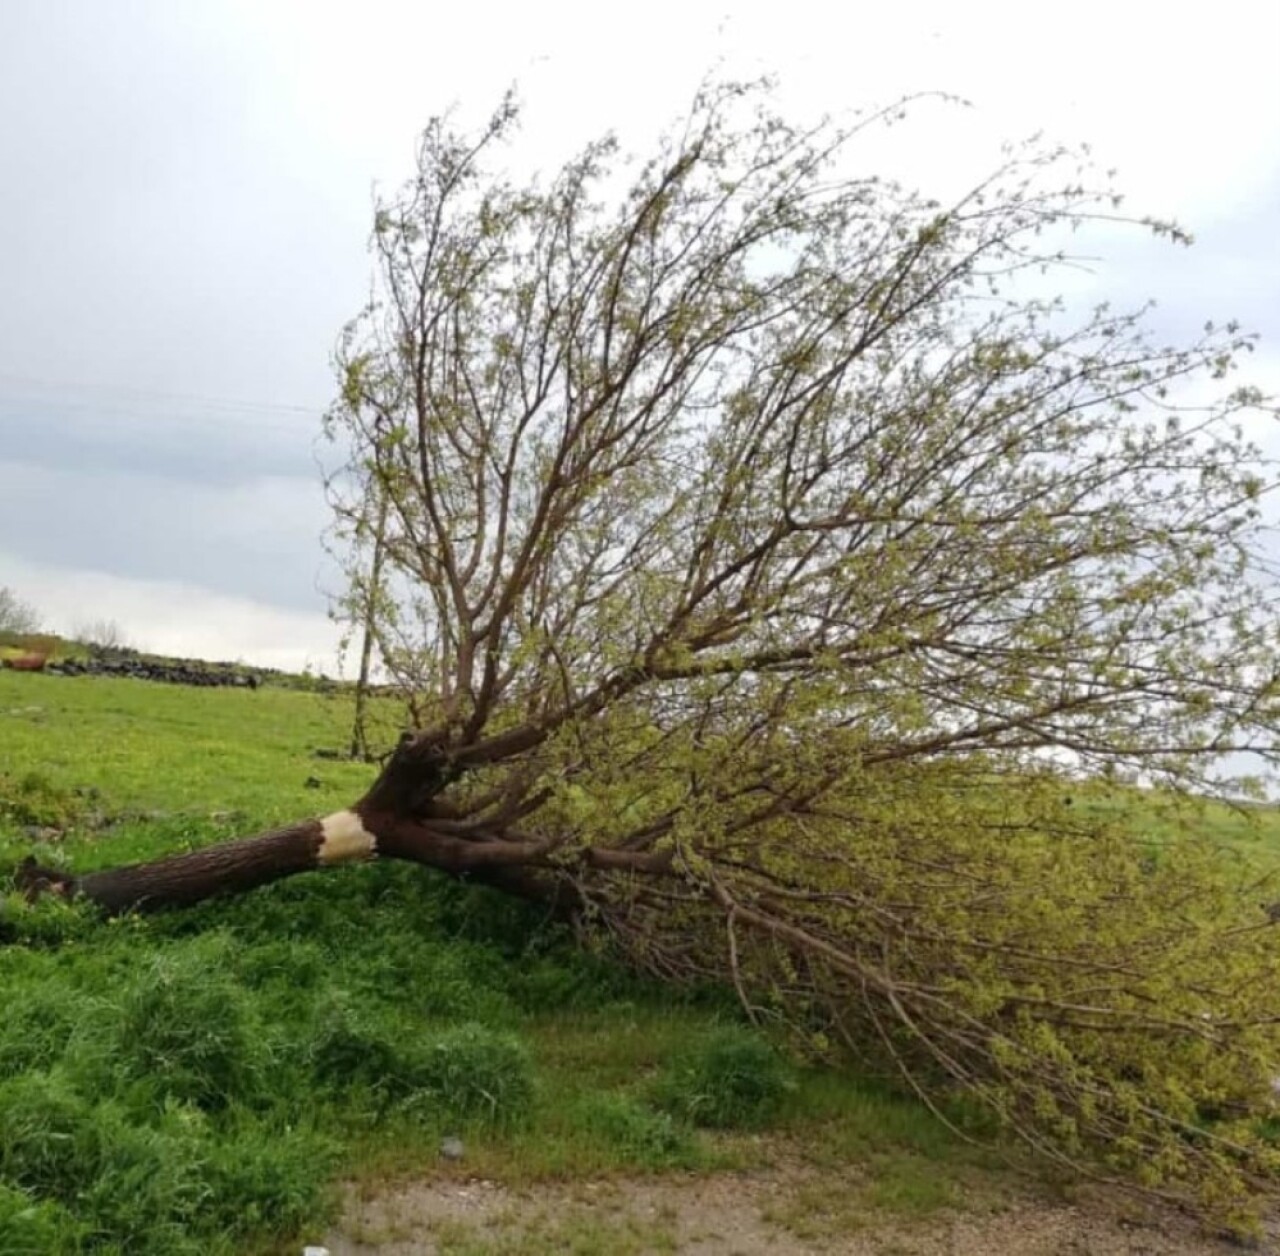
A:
x: 766, y: 553
x: 17, y: 616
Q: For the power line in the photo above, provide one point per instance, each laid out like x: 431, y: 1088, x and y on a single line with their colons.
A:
x: 154, y: 412
x: 149, y: 395
x: 86, y: 414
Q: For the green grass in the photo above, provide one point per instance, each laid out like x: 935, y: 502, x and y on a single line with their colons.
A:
x: 196, y: 1081
x: 1245, y: 826
x: 154, y: 747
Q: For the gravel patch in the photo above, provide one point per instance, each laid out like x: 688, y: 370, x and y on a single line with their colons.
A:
x: 773, y: 1213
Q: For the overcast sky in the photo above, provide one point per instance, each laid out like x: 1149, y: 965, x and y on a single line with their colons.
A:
x: 185, y: 190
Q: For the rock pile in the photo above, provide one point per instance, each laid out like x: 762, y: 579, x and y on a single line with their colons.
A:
x: 171, y: 672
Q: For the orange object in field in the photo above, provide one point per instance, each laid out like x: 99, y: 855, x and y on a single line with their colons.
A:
x: 26, y: 662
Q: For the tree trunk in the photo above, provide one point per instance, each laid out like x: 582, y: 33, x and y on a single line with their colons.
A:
x: 392, y: 820
x: 359, y: 734
x: 400, y: 817
x: 180, y: 880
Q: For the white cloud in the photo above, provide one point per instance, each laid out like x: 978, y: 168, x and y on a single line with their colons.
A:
x: 175, y: 618
x: 187, y: 198
x: 258, y: 538
x: 1187, y: 109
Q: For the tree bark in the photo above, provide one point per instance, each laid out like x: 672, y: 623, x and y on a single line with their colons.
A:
x: 401, y: 816
x: 180, y: 880
x: 392, y: 820
x: 359, y: 733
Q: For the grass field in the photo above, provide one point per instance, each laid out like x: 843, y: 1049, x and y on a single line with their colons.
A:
x: 199, y: 1081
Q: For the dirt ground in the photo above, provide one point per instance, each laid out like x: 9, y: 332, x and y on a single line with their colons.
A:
x: 774, y: 1213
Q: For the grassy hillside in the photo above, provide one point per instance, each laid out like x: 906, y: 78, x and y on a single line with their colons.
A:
x: 170, y: 748
x: 199, y: 1081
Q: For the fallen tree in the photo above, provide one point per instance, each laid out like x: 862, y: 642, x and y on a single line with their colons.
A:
x: 789, y: 591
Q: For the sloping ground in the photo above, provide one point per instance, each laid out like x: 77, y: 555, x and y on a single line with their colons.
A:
x: 780, y: 1212
x: 301, y: 1014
